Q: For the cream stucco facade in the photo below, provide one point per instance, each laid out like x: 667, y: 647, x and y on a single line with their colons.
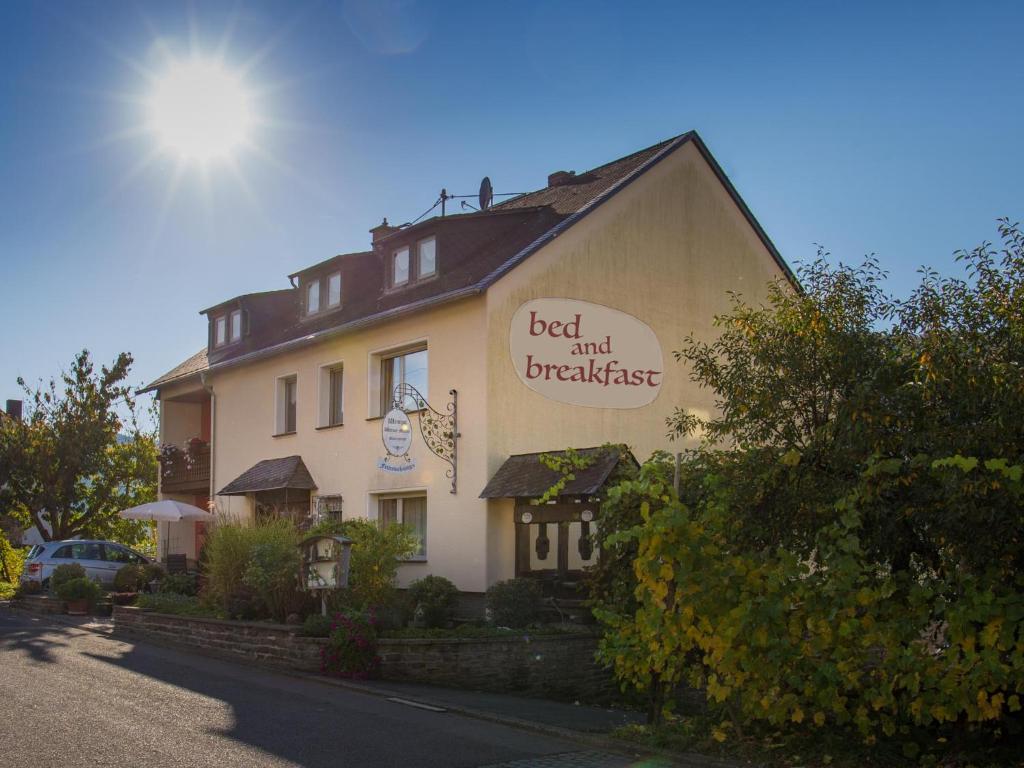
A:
x: 666, y: 249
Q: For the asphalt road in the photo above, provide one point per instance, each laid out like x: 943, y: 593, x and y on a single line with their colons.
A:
x: 69, y: 697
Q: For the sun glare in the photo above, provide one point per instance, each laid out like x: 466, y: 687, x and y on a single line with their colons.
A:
x: 200, y: 110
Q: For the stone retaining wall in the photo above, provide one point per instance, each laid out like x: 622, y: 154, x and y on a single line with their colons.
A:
x: 554, y: 666
x: 38, y: 605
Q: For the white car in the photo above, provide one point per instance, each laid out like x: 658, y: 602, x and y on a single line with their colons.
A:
x: 101, y: 559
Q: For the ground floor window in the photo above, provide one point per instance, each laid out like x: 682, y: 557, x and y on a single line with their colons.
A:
x: 410, y: 511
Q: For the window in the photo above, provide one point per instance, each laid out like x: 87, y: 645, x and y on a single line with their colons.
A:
x: 86, y: 551
x: 334, y: 289
x: 236, y: 325
x: 328, y: 507
x: 426, y: 264
x: 120, y: 555
x: 400, y: 266
x: 64, y: 553
x: 410, y: 511
x: 313, y: 297
x: 286, y: 405
x: 220, y: 333
x: 331, y: 411
x: 407, y: 368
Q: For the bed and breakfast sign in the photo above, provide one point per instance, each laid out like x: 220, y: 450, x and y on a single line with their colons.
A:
x: 585, y: 354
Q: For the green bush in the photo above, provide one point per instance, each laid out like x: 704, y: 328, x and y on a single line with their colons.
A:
x: 273, y: 568
x: 435, y: 598
x: 65, y: 572
x: 153, y: 572
x: 252, y: 569
x: 316, y: 625
x: 514, y: 603
x: 376, y: 554
x: 131, y: 578
x: 12, y: 560
x: 179, y: 605
x: 27, y: 588
x: 82, y: 588
x: 178, y: 584
x: 351, y: 648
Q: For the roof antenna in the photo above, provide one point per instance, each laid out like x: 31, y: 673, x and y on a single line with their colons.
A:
x: 444, y: 198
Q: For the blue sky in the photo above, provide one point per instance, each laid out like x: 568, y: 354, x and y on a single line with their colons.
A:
x: 890, y: 128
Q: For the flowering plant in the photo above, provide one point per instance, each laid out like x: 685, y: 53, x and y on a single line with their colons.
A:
x: 351, y: 648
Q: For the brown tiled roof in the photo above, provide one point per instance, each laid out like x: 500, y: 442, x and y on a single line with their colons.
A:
x: 571, y: 196
x: 271, y: 475
x: 194, y: 365
x: 524, y: 475
x: 474, y: 251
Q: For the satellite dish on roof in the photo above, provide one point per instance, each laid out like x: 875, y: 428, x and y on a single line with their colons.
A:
x: 486, y: 193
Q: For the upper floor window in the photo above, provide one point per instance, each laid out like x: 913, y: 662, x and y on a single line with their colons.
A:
x: 409, y: 265
x: 400, y: 266
x: 313, y: 297
x: 406, y: 368
x: 426, y: 264
x: 287, y: 400
x: 227, y: 328
x: 334, y: 289
x: 331, y: 406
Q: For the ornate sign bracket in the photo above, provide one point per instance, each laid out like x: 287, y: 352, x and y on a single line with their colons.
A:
x: 440, y: 431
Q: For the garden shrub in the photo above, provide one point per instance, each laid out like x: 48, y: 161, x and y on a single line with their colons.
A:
x: 435, y: 598
x: 81, y: 588
x: 12, y: 560
x: 130, y: 578
x: 153, y: 572
x: 514, y: 603
x: 65, y: 572
x: 273, y: 567
x: 316, y: 625
x: 376, y: 554
x: 178, y: 583
x: 26, y: 588
x: 173, y: 603
x: 252, y: 569
x: 351, y: 648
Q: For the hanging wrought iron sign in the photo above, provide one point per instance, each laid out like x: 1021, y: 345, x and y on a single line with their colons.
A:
x: 440, y: 431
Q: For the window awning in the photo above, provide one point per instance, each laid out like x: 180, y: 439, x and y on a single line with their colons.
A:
x: 271, y: 475
x: 524, y: 475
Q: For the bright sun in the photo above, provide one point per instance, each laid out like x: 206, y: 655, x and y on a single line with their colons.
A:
x: 200, y: 110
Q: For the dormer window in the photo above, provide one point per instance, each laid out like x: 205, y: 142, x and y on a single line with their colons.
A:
x: 227, y: 329
x: 313, y: 297
x: 412, y: 264
x: 334, y: 289
x: 400, y: 266
x: 427, y: 261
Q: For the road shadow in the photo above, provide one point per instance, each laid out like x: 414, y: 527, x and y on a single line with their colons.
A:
x: 318, y: 725
x: 36, y: 640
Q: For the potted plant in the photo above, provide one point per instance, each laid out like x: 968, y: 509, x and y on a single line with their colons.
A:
x: 79, y: 594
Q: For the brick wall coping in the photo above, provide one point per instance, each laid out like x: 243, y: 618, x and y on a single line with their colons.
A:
x: 291, y: 628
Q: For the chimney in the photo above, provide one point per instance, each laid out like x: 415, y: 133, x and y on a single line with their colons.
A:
x: 14, y: 409
x: 561, y: 178
x: 382, y: 230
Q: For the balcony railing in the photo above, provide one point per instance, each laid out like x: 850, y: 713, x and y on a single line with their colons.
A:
x: 185, y: 470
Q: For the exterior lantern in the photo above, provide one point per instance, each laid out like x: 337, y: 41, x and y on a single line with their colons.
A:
x: 325, y: 561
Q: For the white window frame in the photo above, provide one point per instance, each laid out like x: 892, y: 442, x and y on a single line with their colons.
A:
x: 409, y: 493
x: 332, y: 304
x: 375, y: 405
x: 324, y: 371
x: 420, y: 274
x: 408, y: 266
x: 233, y: 333
x: 280, y: 409
x: 220, y: 330
x: 313, y: 286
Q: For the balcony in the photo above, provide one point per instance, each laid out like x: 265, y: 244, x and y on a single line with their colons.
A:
x: 185, y: 471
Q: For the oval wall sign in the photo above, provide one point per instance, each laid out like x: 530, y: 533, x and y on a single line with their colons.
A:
x: 397, y: 432
x: 585, y: 354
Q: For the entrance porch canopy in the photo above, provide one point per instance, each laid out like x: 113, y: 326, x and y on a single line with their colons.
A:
x: 271, y: 475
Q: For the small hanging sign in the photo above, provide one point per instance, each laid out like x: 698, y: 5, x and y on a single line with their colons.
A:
x: 397, y: 432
